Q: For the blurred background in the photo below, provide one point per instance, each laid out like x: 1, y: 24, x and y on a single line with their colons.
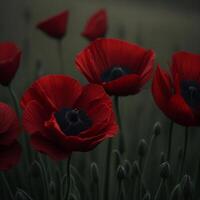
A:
x: 165, y: 26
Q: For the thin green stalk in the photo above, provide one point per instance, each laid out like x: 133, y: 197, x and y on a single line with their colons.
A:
x: 66, y: 197
x: 170, y: 141
x: 157, y: 195
x: 107, y: 170
x: 7, y: 186
x: 184, y: 151
x: 119, y: 190
x: 15, y: 99
x: 121, y: 136
x: 60, y: 54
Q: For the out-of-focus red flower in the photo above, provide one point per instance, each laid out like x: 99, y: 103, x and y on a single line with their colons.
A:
x: 55, y: 26
x: 62, y: 116
x: 96, y: 26
x: 10, y: 56
x: 120, y: 67
x: 10, y: 150
x: 179, y: 97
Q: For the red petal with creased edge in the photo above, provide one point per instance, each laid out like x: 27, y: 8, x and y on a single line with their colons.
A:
x: 53, y: 92
x: 161, y: 88
x: 9, y: 125
x: 55, y: 26
x: 180, y: 112
x: 10, y: 56
x: 126, y: 85
x: 186, y: 65
x: 9, y: 155
x: 96, y: 26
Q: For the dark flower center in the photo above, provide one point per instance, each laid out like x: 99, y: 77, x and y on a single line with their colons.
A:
x: 115, y: 73
x: 72, y: 121
x: 190, y: 91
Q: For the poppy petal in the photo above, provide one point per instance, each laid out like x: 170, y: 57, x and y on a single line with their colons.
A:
x: 53, y: 91
x: 186, y: 65
x: 55, y: 26
x: 126, y: 85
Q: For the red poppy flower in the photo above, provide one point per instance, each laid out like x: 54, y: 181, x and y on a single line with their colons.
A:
x: 10, y: 56
x: 55, y: 26
x: 96, y: 26
x: 179, y: 97
x: 10, y: 150
x: 120, y: 67
x: 62, y: 116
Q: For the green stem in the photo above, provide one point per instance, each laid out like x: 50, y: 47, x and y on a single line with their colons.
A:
x: 60, y: 54
x: 184, y: 151
x: 15, y: 99
x: 7, y: 186
x: 170, y: 141
x: 119, y: 190
x: 107, y: 172
x: 157, y: 195
x: 66, y: 197
x: 121, y: 136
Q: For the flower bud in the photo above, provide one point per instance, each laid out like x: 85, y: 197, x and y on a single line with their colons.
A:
x: 127, y: 166
x: 135, y: 169
x: 187, y: 187
x: 142, y: 148
x: 147, y: 196
x: 176, y: 193
x: 117, y: 157
x: 164, y: 170
x: 94, y: 172
x: 52, y: 188
x: 157, y: 129
x: 121, y: 173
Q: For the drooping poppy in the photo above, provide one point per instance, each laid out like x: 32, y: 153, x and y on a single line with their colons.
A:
x: 96, y: 26
x: 55, y: 26
x: 120, y: 67
x: 10, y: 56
x: 178, y: 95
x: 10, y: 150
x: 63, y: 116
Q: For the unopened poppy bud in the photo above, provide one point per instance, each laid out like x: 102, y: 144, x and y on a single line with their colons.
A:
x: 94, y: 172
x: 147, y: 196
x: 162, y: 157
x: 35, y: 169
x: 135, y: 169
x: 121, y: 172
x: 127, y: 166
x: 117, y: 157
x: 187, y: 187
x: 142, y: 148
x: 52, y: 188
x: 176, y: 193
x: 157, y: 129
x: 164, y: 170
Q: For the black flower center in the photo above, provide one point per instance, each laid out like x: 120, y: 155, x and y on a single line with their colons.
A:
x: 72, y: 121
x: 190, y: 91
x: 115, y: 73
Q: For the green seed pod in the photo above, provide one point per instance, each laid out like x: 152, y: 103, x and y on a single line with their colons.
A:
x: 121, y: 173
x: 35, y: 169
x: 142, y: 148
x: 147, y: 196
x: 128, y: 167
x: 52, y: 188
x: 164, y: 170
x: 94, y: 172
x: 135, y: 169
x: 176, y: 193
x: 187, y: 187
x: 157, y: 129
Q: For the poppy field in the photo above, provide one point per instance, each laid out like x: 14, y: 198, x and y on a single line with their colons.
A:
x: 99, y: 103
